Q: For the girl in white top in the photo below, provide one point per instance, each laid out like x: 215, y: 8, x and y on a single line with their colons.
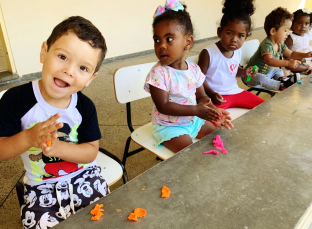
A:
x: 220, y: 62
x: 299, y: 38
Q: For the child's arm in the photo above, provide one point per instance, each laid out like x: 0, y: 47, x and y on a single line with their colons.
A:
x: 40, y: 133
x: 37, y: 137
x: 296, y: 55
x: 289, y: 42
x: 269, y: 60
x: 164, y: 106
x: 203, y: 63
x: 76, y: 153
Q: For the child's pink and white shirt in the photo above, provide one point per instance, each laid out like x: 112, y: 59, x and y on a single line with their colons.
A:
x: 181, y: 86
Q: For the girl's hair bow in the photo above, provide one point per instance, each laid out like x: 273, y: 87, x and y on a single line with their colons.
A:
x: 306, y: 10
x: 170, y: 5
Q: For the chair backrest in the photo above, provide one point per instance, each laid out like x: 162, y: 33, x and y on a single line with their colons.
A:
x: 248, y: 49
x: 1, y: 93
x: 193, y: 58
x: 129, y: 82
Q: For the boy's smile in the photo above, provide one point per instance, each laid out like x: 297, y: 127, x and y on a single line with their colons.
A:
x: 170, y: 44
x: 68, y: 66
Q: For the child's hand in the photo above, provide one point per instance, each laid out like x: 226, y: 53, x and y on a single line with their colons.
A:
x: 225, y: 120
x: 217, y: 99
x: 308, y: 71
x: 251, y: 73
x: 44, y: 131
x: 309, y: 54
x: 207, y: 113
x: 293, y: 63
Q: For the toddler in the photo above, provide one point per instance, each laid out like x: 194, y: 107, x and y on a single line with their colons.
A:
x: 276, y: 26
x: 220, y: 62
x: 62, y: 177
x: 299, y: 38
x: 181, y: 110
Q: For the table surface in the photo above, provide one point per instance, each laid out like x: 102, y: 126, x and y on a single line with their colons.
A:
x: 263, y: 183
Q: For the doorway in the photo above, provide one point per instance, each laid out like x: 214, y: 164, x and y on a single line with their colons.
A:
x: 7, y: 66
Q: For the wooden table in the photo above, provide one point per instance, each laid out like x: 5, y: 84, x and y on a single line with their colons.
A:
x: 265, y: 182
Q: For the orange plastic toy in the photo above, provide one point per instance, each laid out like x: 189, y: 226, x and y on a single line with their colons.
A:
x: 165, y: 192
x: 138, y: 212
x: 97, y: 212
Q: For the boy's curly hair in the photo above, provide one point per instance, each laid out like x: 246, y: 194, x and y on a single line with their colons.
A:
x: 276, y: 19
x: 182, y: 17
x: 84, y: 30
x: 301, y: 13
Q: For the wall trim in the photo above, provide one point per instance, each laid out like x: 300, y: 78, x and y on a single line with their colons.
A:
x: 37, y: 75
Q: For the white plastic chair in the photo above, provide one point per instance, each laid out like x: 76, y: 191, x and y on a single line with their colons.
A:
x: 248, y: 49
x: 128, y: 85
x: 193, y: 58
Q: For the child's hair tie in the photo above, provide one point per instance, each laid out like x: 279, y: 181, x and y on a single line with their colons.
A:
x: 170, y: 5
x: 306, y: 10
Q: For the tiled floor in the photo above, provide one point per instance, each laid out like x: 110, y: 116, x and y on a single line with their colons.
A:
x: 112, y: 120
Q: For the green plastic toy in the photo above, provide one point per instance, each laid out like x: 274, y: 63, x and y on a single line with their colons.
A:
x: 249, y: 77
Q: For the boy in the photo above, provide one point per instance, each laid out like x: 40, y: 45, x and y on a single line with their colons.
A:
x: 276, y: 26
x: 61, y: 177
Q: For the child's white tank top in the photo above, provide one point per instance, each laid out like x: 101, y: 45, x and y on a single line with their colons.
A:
x: 300, y: 43
x: 222, y: 71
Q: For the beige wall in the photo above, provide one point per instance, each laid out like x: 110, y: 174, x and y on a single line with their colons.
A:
x: 308, y: 4
x: 125, y: 24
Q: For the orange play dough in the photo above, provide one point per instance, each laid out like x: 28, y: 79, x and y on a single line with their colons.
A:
x: 97, y: 212
x: 138, y: 212
x: 165, y: 192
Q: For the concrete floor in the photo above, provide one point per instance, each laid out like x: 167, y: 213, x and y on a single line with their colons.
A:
x: 113, y: 125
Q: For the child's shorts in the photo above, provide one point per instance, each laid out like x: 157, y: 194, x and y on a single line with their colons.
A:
x: 42, y: 202
x: 165, y: 133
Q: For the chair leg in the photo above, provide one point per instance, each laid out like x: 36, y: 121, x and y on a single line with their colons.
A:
x: 124, y: 159
x: 159, y: 159
x: 20, y: 192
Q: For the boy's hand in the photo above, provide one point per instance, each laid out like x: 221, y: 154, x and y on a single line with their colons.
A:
x: 225, y: 120
x: 207, y: 113
x: 293, y: 63
x: 309, y: 54
x: 217, y: 98
x: 251, y: 73
x: 44, y: 131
